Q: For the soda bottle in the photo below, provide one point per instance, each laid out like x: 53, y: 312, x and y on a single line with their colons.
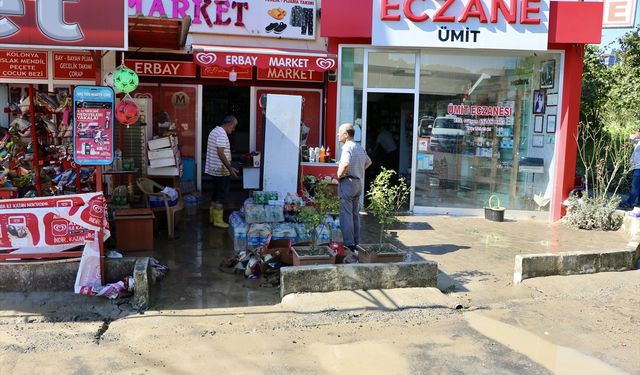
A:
x: 322, y: 155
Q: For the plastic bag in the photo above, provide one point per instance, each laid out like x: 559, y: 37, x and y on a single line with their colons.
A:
x: 284, y: 231
x: 258, y: 234
x: 274, y: 213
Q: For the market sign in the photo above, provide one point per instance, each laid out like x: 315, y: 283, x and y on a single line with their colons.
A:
x: 156, y: 68
x: 291, y: 19
x: 77, y: 24
x: 619, y: 13
x: 288, y: 74
x: 469, y: 24
x: 299, y: 62
x: 23, y: 64
x: 73, y: 66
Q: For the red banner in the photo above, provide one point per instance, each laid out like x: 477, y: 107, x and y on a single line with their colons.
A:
x: 56, y: 224
x: 265, y: 61
x: 73, y: 66
x: 162, y: 68
x: 214, y: 71
x: 23, y: 64
x: 288, y: 74
x: 79, y: 24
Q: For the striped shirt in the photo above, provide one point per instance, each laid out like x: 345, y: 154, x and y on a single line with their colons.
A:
x: 213, y: 165
x: 356, y: 157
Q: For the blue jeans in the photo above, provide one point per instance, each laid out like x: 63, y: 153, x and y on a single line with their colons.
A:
x: 635, y: 188
x: 349, y: 191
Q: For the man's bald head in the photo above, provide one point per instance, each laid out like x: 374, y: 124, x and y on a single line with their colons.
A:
x: 348, y: 129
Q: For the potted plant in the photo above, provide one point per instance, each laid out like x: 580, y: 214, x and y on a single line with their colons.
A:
x: 312, y: 216
x: 385, y: 199
x: 494, y: 211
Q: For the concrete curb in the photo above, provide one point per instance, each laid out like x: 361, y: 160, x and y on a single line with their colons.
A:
x: 60, y: 276
x: 578, y: 262
x: 365, y: 276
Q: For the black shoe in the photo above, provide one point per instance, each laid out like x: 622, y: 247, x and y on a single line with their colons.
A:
x: 280, y: 28
x: 270, y: 27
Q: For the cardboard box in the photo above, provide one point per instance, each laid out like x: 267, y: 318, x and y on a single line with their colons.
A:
x: 165, y: 162
x: 165, y: 171
x: 158, y: 143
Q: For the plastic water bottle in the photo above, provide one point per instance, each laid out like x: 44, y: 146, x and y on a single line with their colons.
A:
x: 117, y: 160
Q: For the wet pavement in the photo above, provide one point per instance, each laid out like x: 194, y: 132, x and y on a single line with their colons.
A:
x: 472, y: 254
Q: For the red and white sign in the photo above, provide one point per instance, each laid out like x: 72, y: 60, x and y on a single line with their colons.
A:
x: 469, y: 24
x: 265, y: 61
x: 156, y: 68
x: 289, y: 74
x: 23, y: 64
x: 77, y: 24
x: 56, y: 224
x: 73, y: 66
x: 291, y: 19
x: 214, y: 71
x: 619, y: 13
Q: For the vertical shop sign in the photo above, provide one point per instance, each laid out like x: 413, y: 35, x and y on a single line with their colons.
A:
x: 23, y: 64
x: 93, y: 125
x: 73, y: 66
x: 619, y: 13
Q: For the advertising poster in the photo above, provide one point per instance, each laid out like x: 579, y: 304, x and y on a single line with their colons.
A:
x: 93, y: 125
x: 56, y: 224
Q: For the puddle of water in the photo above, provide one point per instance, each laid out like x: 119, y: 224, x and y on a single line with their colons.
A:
x: 358, y: 358
x: 560, y: 360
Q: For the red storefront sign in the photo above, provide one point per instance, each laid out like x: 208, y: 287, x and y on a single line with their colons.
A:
x: 78, y: 24
x: 23, y: 64
x: 266, y: 60
x: 162, y: 68
x: 73, y: 66
x: 214, y: 71
x: 289, y: 74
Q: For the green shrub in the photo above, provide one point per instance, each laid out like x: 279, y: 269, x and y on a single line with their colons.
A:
x: 593, y: 213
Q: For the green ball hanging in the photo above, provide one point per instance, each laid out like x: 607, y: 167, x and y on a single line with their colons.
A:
x: 125, y: 80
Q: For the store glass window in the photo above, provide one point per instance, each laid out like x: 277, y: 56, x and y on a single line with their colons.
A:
x: 391, y: 70
x: 351, y: 90
x: 486, y: 127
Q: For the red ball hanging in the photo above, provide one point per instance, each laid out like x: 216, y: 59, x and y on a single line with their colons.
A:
x: 127, y: 112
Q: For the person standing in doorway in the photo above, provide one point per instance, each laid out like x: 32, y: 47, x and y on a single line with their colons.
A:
x: 353, y: 162
x: 635, y: 173
x: 218, y: 165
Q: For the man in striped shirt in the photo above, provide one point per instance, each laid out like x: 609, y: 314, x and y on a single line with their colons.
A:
x: 218, y: 165
x: 353, y: 161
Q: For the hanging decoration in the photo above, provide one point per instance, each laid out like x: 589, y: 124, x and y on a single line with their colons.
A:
x: 125, y: 80
x: 127, y: 111
x: 107, y: 80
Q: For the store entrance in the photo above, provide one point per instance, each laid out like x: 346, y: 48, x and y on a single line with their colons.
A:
x: 218, y: 102
x: 389, y: 133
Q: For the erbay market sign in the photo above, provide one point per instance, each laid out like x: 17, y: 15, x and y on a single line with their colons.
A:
x: 470, y: 24
x: 292, y: 19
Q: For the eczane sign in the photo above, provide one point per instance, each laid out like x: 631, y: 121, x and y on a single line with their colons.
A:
x: 469, y: 24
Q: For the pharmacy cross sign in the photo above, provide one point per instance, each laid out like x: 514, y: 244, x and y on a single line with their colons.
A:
x: 72, y: 24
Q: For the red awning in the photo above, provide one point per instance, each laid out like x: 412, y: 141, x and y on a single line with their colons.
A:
x: 264, y: 58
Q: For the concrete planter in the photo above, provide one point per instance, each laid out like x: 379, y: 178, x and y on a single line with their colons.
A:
x: 303, y: 256
x: 366, y: 254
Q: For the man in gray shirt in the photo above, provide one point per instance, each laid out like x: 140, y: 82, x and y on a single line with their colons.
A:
x: 353, y: 161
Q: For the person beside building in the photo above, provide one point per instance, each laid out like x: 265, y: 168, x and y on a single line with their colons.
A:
x: 353, y: 162
x: 218, y: 165
x: 634, y: 193
x: 386, y: 149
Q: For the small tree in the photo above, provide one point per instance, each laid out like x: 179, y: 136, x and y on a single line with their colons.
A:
x: 385, y: 199
x: 323, y: 202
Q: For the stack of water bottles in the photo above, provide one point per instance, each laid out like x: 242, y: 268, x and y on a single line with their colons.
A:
x: 262, y: 217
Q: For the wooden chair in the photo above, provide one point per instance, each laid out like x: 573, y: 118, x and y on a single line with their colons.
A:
x: 151, y: 188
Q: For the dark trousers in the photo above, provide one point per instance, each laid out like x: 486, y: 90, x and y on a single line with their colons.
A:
x: 635, y: 188
x: 350, y: 191
x: 307, y: 24
x: 220, y: 189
